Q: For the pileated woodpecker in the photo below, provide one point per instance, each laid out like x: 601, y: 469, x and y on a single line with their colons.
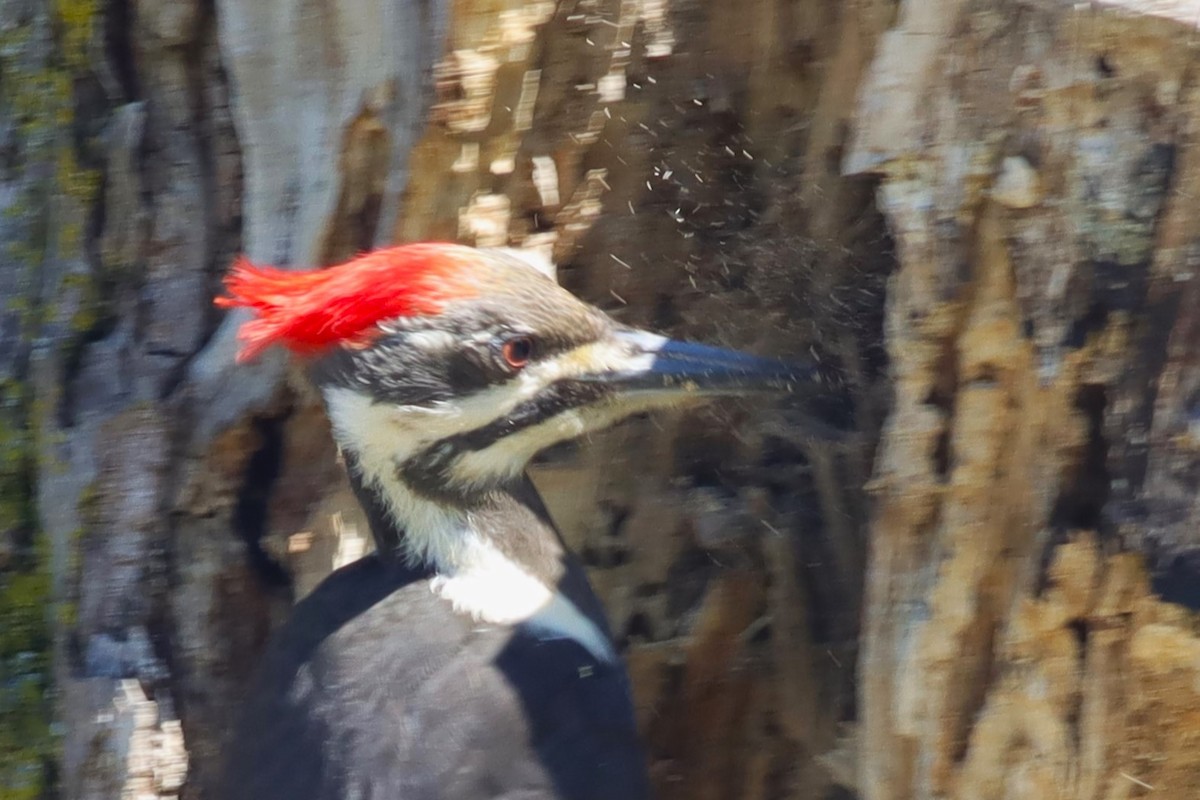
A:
x: 468, y: 658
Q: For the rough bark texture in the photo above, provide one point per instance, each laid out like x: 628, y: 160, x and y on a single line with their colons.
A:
x: 970, y: 613
x: 1040, y: 462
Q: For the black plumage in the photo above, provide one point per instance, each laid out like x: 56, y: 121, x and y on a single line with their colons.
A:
x: 376, y: 689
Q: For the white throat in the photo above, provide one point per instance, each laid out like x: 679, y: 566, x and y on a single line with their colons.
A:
x: 471, y: 572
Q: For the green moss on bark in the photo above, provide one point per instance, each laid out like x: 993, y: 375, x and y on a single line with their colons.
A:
x: 40, y: 62
x: 27, y: 743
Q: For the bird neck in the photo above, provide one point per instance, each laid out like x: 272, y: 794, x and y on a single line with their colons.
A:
x: 436, y: 525
x: 441, y: 535
x: 498, y: 557
x: 491, y: 551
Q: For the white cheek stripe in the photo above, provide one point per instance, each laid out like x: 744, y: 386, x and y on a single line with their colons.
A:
x: 473, y: 574
x: 399, y: 432
x: 479, y: 467
x: 507, y: 457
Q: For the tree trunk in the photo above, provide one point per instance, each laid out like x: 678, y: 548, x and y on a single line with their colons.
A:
x: 1035, y: 487
x: 949, y: 575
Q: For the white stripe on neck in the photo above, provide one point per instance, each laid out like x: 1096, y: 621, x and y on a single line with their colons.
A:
x: 472, y: 574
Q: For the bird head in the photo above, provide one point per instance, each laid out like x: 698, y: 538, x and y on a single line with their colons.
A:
x: 451, y: 367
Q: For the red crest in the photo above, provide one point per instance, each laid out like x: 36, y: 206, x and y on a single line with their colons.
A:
x: 308, y: 311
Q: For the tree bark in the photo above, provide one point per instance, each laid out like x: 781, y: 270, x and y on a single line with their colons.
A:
x: 954, y: 573
x: 1035, y: 487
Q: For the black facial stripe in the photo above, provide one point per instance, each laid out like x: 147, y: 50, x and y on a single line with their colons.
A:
x: 428, y: 472
x: 550, y: 402
x: 400, y: 368
x: 390, y: 370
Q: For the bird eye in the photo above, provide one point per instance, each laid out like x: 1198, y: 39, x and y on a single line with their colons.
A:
x: 517, y: 351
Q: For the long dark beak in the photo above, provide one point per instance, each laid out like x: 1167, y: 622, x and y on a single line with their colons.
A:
x: 656, y: 365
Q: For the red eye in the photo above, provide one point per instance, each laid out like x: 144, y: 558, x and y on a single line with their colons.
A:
x: 517, y: 351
